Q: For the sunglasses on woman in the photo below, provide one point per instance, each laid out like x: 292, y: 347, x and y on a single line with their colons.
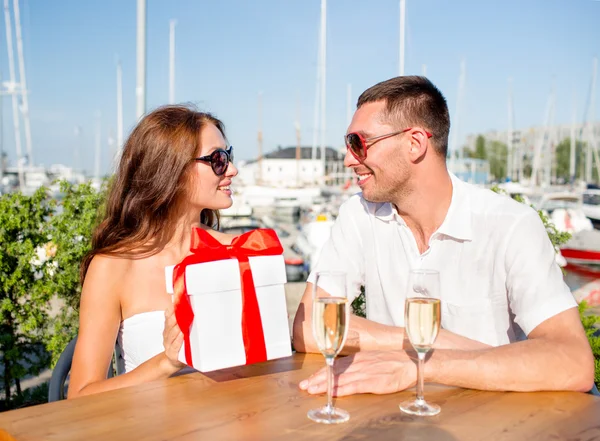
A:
x: 219, y: 160
x: 357, y: 143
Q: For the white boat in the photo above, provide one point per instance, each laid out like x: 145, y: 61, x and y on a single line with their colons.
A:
x: 566, y: 213
x: 565, y: 210
x: 35, y: 177
x: 591, y: 205
x: 239, y: 208
x: 311, y: 238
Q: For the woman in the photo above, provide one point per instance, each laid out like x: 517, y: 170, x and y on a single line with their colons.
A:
x: 174, y: 174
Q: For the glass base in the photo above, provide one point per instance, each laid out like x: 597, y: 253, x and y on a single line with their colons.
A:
x: 420, y: 408
x: 328, y: 415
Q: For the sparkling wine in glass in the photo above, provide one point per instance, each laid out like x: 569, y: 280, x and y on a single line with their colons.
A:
x: 330, y: 315
x: 422, y: 324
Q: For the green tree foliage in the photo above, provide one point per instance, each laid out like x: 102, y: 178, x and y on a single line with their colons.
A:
x: 25, y: 265
x: 71, y: 233
x: 480, y: 152
x: 593, y: 333
x: 563, y: 160
x: 359, y: 304
x: 42, y: 243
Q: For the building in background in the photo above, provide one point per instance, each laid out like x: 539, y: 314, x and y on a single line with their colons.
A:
x: 281, y: 168
x: 473, y: 171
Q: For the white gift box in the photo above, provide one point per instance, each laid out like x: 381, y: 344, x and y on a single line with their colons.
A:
x: 214, y: 290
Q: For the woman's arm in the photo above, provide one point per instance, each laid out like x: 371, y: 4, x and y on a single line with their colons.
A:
x: 99, y: 320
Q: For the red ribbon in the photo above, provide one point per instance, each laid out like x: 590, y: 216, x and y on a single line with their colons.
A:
x: 205, y: 248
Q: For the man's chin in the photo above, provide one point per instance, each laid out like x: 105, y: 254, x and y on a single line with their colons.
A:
x: 370, y: 196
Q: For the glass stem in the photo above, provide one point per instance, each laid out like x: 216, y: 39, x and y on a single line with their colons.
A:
x: 420, y: 380
x: 329, y: 361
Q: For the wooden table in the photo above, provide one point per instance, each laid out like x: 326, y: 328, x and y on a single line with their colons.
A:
x: 263, y: 402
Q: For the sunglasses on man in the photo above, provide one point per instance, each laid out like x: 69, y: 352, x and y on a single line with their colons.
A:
x: 219, y: 160
x: 357, y: 143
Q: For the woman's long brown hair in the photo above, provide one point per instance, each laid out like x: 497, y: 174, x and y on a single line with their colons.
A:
x: 148, y: 188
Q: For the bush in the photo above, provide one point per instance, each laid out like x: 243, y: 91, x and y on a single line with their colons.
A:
x: 71, y: 231
x: 25, y: 265
x: 42, y: 243
x: 593, y: 335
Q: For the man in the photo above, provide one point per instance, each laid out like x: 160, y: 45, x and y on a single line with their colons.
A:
x: 499, y: 279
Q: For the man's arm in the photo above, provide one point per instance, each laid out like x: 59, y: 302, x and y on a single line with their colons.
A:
x: 557, y: 356
x: 365, y: 335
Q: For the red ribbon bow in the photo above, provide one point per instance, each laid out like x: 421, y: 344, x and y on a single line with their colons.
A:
x: 205, y: 248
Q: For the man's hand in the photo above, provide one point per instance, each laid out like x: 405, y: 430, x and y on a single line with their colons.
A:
x: 377, y: 372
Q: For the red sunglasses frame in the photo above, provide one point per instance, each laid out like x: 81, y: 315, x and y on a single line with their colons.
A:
x: 363, y: 141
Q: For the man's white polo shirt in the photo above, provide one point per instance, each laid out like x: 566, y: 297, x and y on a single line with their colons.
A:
x: 499, y: 278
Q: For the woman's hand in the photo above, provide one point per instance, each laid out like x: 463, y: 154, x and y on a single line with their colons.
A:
x: 172, y: 339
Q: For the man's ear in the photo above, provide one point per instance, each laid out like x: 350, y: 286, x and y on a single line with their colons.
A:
x: 419, y: 144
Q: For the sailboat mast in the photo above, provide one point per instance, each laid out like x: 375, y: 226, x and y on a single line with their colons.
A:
x: 119, y: 109
x: 23, y: 83
x: 550, y: 141
x: 76, y: 161
x: 592, y: 120
x: 13, y: 91
x: 140, y: 89
x: 511, y: 148
x: 98, y: 147
x: 298, y: 141
x: 259, y: 139
x: 172, y: 24
x: 348, y: 104
x: 1, y: 136
x: 589, y: 121
x: 539, y: 144
x: 402, y: 25
x: 572, y: 160
x: 317, y: 116
x: 454, y: 150
x: 323, y: 81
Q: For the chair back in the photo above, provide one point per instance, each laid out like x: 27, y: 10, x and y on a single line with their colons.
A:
x: 57, y: 389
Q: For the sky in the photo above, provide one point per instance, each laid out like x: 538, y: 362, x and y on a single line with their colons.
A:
x: 229, y: 51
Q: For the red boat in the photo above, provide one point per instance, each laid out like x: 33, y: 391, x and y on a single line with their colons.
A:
x: 582, y: 253
x: 580, y: 256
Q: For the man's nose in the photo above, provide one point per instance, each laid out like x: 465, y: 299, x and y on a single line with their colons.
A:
x: 349, y: 159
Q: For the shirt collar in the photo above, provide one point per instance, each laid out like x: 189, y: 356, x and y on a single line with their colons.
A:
x: 385, y: 211
x: 457, y: 223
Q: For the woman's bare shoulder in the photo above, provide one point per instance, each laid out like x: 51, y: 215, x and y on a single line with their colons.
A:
x: 103, y: 264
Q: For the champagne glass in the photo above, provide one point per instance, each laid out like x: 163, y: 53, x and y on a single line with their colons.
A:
x: 330, y: 316
x: 422, y: 324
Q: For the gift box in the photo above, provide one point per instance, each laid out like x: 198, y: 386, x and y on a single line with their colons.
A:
x: 230, y: 301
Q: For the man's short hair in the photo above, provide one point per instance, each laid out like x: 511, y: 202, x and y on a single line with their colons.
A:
x: 413, y: 101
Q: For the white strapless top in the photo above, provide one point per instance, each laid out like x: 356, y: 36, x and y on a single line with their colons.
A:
x: 140, y: 338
